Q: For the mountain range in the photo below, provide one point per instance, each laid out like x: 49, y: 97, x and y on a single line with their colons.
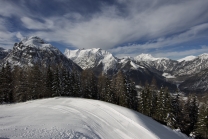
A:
x: 188, y: 74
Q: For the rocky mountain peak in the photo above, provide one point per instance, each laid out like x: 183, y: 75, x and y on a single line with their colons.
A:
x: 34, y: 50
x: 91, y: 58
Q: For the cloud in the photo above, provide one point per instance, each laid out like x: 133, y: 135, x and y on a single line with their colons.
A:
x: 181, y: 54
x: 110, y: 28
x: 135, y: 49
x: 37, y: 25
x: 143, y: 25
x: 19, y: 36
x: 6, y: 38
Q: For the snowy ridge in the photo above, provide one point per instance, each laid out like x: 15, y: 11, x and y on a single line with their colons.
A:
x: 90, y: 58
x: 135, y: 66
x: 146, y: 57
x: 188, y: 58
x: 78, y: 118
x: 203, y: 56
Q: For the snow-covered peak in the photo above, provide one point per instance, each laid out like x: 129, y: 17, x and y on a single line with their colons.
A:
x: 34, y: 41
x: 90, y: 58
x: 33, y: 50
x: 71, y: 53
x: 146, y: 57
x: 203, y: 56
x: 187, y: 58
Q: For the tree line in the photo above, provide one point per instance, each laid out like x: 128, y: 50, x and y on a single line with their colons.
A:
x: 19, y: 84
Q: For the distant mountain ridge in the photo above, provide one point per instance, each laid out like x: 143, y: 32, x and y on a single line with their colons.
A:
x: 90, y: 58
x: 142, y: 67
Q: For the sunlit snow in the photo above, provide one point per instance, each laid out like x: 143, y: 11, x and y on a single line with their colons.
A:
x: 76, y: 118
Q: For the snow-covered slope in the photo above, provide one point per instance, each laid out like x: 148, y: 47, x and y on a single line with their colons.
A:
x: 187, y: 58
x: 75, y: 118
x: 196, y: 83
x: 34, y: 50
x: 160, y: 64
x: 194, y: 66
x: 141, y: 73
x: 92, y: 58
x: 146, y: 57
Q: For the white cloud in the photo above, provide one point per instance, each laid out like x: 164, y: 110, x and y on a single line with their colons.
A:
x: 152, y: 22
x: 108, y: 29
x: 19, y: 36
x: 34, y: 24
x: 181, y: 54
x: 191, y: 34
x: 7, y: 39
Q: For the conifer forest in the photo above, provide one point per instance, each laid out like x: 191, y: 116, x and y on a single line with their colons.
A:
x: 188, y: 115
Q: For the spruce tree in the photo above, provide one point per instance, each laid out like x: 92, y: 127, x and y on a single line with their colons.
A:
x: 75, y: 84
x: 201, y: 130
x: 49, y: 82
x: 101, y: 87
x: 132, y: 96
x: 35, y: 81
x: 175, y: 116
x: 193, y: 113
x: 65, y: 83
x: 142, y: 101
x: 56, y: 84
x: 20, y: 83
x: 109, y: 94
x: 121, y: 89
x: 6, y: 84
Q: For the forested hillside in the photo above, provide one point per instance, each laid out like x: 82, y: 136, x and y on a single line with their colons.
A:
x: 22, y: 84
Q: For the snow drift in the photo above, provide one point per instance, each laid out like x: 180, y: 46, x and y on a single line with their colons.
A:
x: 78, y: 118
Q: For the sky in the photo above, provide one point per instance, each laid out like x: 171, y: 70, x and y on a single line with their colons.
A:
x: 162, y: 28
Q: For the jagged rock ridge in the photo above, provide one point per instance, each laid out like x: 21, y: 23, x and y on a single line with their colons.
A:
x: 34, y: 50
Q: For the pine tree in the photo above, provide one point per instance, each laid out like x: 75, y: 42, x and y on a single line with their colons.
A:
x: 6, y: 84
x: 133, y: 97
x: 36, y: 83
x: 109, y: 94
x: 65, y: 84
x: 93, y: 86
x: 75, y: 84
x: 102, y: 87
x: 201, y: 130
x: 190, y: 115
x: 85, y: 84
x: 49, y: 82
x: 2, y: 80
x: 120, y: 89
x: 160, y: 109
x: 89, y: 84
x: 175, y: 116
x: 56, y: 84
x: 142, y: 101
x: 193, y: 113
x: 20, y: 83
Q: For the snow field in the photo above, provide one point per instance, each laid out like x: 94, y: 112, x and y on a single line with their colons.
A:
x: 76, y: 118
